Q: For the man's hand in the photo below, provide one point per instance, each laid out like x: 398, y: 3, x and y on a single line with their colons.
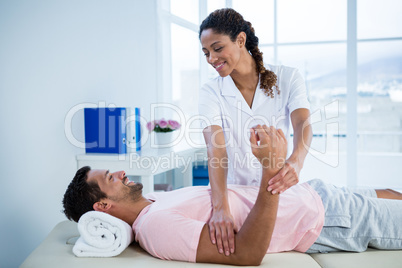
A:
x: 286, y: 178
x: 222, y: 231
x: 269, y: 146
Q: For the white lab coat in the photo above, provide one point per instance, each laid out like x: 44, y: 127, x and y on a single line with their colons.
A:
x: 222, y: 104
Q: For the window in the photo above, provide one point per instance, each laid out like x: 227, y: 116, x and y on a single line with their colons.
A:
x: 380, y: 96
x: 185, y: 68
x: 213, y: 5
x: 311, y: 36
x: 185, y: 9
x: 326, y: 88
x: 320, y: 38
x: 379, y: 89
x: 180, y: 58
x: 261, y: 15
x: 379, y: 19
x: 311, y: 20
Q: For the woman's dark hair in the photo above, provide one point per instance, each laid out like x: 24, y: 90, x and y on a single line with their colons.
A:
x: 80, y: 195
x: 229, y: 22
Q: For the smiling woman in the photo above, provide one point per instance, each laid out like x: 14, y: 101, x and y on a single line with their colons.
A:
x: 219, y: 42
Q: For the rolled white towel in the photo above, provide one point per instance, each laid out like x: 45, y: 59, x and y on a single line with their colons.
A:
x: 102, y: 235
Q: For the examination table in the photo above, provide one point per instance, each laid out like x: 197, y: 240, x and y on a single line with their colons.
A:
x: 56, y: 251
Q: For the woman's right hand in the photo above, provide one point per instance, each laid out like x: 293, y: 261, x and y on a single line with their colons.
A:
x: 222, y: 231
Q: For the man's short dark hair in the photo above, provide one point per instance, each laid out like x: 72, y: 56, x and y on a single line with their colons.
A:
x: 80, y: 195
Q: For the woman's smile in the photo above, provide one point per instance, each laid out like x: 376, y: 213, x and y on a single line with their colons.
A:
x: 219, y: 66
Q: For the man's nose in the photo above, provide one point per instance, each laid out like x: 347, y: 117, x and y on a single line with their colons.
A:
x: 120, y: 174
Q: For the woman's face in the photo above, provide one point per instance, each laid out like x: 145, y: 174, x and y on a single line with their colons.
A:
x: 220, y: 51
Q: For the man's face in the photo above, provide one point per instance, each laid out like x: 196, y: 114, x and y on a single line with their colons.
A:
x: 116, y: 186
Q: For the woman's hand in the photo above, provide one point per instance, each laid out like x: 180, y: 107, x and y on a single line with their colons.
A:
x: 222, y: 231
x: 286, y: 178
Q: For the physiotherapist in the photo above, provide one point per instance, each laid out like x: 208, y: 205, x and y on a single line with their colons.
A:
x: 246, y: 93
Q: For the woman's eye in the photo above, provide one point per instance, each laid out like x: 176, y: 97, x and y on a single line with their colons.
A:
x: 218, y: 49
x: 110, y: 177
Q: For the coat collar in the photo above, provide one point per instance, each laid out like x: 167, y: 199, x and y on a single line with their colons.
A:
x: 260, y: 98
x: 235, y: 98
x: 228, y: 86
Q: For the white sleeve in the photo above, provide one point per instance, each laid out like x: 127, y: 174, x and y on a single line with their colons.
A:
x: 298, y: 94
x: 209, y: 108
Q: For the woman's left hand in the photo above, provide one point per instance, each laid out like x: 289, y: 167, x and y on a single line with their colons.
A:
x: 286, y: 178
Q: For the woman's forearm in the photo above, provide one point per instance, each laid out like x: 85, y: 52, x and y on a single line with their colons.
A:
x: 302, y: 136
x: 301, y: 143
x: 217, y: 166
x: 217, y: 171
x: 221, y: 224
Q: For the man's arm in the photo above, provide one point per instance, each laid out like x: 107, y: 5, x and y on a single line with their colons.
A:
x: 252, y: 241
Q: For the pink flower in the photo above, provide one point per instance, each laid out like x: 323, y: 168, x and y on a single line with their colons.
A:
x: 162, y: 123
x: 151, y: 126
x: 174, y: 124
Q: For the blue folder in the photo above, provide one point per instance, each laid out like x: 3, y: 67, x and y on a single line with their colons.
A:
x: 138, y: 128
x: 105, y: 130
x: 133, y: 129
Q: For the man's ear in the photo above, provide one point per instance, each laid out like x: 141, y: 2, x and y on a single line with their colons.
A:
x: 102, y: 206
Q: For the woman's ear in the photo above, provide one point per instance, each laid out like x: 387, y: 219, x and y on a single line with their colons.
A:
x: 241, y: 39
x: 102, y: 206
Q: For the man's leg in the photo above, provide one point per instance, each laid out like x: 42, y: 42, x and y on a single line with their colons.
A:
x: 355, y: 221
x: 388, y: 194
x: 377, y: 193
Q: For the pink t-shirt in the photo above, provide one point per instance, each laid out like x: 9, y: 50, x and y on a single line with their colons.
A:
x: 170, y: 228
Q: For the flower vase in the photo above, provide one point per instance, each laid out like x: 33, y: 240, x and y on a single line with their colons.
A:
x: 164, y: 139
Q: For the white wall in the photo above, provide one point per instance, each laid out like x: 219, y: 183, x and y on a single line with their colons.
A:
x: 54, y: 55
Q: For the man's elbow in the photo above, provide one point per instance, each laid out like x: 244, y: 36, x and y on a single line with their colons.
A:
x: 251, y: 259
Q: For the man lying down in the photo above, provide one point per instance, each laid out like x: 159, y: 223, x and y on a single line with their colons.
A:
x: 309, y: 217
